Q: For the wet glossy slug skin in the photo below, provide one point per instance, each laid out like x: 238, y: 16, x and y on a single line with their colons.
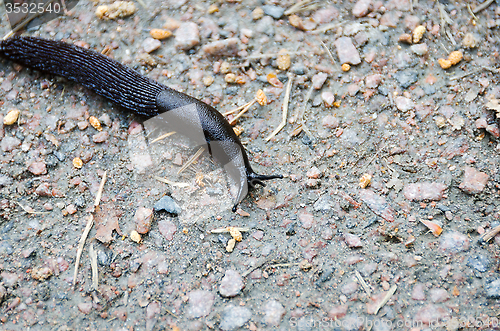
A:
x: 137, y: 94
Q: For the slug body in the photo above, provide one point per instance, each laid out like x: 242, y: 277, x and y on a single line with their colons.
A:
x: 142, y: 96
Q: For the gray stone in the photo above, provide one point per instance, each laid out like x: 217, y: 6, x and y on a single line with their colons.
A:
x: 168, y: 204
x: 274, y: 11
x: 234, y: 317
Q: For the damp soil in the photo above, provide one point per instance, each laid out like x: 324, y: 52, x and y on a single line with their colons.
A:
x: 386, y: 217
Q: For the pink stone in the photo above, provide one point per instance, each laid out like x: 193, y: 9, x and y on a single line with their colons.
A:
x: 424, y: 191
x: 187, y: 36
x: 314, y: 172
x: 330, y: 122
x: 167, y: 229
x: 474, y: 181
x: 307, y: 220
x: 361, y: 8
x: 37, y: 168
x: 372, y: 81
x: 352, y: 240
x: 100, y: 137
x: 346, y: 51
x: 143, y: 218
x: 318, y: 80
x: 226, y: 47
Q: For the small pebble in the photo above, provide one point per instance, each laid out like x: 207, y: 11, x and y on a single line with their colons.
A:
x: 226, y: 47
x: 257, y: 13
x: 187, y: 36
x: 234, y: 317
x: 96, y: 124
x: 200, y: 303
x: 352, y: 240
x: 404, y: 104
x: 77, y: 163
x: 418, y: 33
x: 479, y: 262
x: 454, y: 242
x: 150, y: 44
x: 474, y: 181
x: 362, y: 8
x: 318, y: 80
x: 424, y: 191
x: 11, y: 117
x: 135, y: 236
x: 167, y: 204
x: 346, y: 51
x: 231, y: 284
x: 160, y: 34
x: 100, y: 137
x: 328, y: 98
x: 143, y: 218
x: 330, y: 122
x: 420, y: 49
x: 275, y: 12
x: 37, y: 168
x: 273, y: 313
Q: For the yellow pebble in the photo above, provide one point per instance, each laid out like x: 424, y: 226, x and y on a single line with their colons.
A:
x: 208, y: 80
x: 135, y: 236
x: 365, y: 180
x: 160, y: 33
x: 213, y: 9
x: 11, y: 117
x: 235, y: 233
x: 445, y: 64
x: 283, y: 60
x: 230, y: 245
x: 346, y: 67
x: 418, y: 33
x: 230, y: 78
x: 257, y: 13
x: 261, y: 97
x: 77, y: 163
x: 455, y: 57
x: 95, y: 123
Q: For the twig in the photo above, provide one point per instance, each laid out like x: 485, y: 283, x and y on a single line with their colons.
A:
x: 263, y: 56
x: 250, y: 104
x: 257, y: 266
x: 300, y: 6
x: 471, y: 12
x: 93, y: 263
x: 30, y: 210
x: 162, y: 137
x: 300, y: 111
x: 99, y: 192
x: 191, y: 160
x: 142, y: 3
x: 363, y: 283
x: 445, y: 19
x: 387, y: 296
x: 169, y: 182
x: 80, y: 246
x: 282, y: 265
x: 285, y: 109
x: 169, y: 312
x: 487, y: 236
x: 483, y: 6
x: 226, y: 229
x: 326, y: 27
x: 236, y: 109
x: 329, y: 52
x: 495, y: 70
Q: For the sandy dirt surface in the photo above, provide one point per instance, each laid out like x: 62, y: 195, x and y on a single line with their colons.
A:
x: 386, y: 218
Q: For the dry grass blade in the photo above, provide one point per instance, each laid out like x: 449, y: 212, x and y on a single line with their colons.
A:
x: 99, y: 192
x: 483, y: 6
x: 301, y: 6
x: 191, y: 160
x: 326, y: 27
x: 162, y: 137
x: 487, y: 236
x: 236, y: 109
x: 93, y: 263
x: 299, y: 114
x: 250, y: 104
x: 363, y: 283
x: 387, y: 296
x: 30, y: 210
x: 85, y: 234
x: 328, y: 51
x: 169, y: 182
x: 267, y: 55
x: 226, y: 229
x: 285, y: 109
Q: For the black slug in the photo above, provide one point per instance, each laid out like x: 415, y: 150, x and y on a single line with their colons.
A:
x: 140, y: 95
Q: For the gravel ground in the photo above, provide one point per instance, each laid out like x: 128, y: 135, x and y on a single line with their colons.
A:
x: 386, y: 217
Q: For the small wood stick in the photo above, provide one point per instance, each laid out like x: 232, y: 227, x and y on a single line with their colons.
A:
x: 236, y: 109
x: 191, y: 160
x: 80, y: 246
x: 363, y: 283
x: 162, y: 137
x: 243, y: 111
x: 490, y: 234
x: 387, y: 296
x: 170, y: 182
x: 99, y: 192
x: 285, y: 109
x: 93, y: 263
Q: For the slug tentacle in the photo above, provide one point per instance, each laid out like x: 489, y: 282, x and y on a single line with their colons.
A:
x: 142, y: 96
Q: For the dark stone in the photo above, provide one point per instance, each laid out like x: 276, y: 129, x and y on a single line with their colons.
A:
x: 479, y: 262
x: 168, y: 204
x: 406, y: 78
